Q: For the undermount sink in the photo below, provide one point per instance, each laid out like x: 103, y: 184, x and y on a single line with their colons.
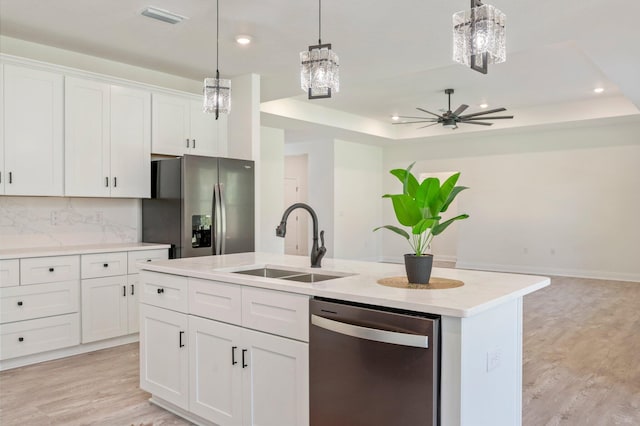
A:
x: 291, y: 275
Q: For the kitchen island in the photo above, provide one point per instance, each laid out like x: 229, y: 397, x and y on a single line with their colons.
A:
x: 481, y: 334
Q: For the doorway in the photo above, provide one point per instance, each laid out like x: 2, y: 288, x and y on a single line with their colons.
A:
x: 295, y: 191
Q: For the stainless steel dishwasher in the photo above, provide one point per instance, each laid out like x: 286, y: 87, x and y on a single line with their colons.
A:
x: 372, y: 367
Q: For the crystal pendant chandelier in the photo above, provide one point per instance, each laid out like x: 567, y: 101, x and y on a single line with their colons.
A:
x: 217, y: 91
x: 319, y: 67
x: 479, y: 37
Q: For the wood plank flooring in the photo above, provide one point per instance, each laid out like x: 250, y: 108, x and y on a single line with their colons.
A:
x: 581, y: 367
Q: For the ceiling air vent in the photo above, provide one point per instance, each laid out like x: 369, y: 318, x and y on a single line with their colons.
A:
x: 163, y: 15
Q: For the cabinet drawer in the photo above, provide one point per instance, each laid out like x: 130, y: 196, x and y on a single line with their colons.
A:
x: 215, y: 300
x: 104, y: 264
x: 39, y: 335
x: 164, y: 291
x: 276, y: 312
x: 9, y: 272
x: 50, y: 269
x: 38, y: 301
x: 145, y: 256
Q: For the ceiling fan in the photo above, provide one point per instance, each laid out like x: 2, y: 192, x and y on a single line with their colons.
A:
x: 450, y: 119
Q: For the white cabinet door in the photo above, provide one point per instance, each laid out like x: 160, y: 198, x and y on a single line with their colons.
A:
x: 133, y: 300
x: 86, y: 138
x: 33, y: 132
x: 170, y: 124
x: 215, y: 363
x: 164, y: 357
x: 130, y: 142
x: 204, y: 131
x: 276, y: 381
x: 104, y: 308
x: 3, y: 175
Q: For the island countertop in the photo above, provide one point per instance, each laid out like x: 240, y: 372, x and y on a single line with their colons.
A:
x: 481, y: 290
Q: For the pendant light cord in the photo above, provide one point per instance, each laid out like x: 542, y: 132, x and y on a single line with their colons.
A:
x: 217, y: 37
x: 319, y: 21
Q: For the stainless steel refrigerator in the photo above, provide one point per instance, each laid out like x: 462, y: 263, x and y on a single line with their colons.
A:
x: 201, y: 206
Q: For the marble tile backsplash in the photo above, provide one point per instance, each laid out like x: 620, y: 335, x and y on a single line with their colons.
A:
x: 54, y: 221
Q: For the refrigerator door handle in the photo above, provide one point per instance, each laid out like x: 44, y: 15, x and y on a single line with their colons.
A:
x: 223, y: 219
x: 216, y: 220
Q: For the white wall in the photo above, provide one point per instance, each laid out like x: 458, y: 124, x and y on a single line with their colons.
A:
x: 56, y: 221
x: 320, y: 184
x: 357, y: 200
x: 270, y: 189
x: 553, y: 201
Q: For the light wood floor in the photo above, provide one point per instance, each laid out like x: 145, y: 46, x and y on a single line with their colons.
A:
x: 581, y: 367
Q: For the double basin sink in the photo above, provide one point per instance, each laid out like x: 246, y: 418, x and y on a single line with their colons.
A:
x: 291, y: 275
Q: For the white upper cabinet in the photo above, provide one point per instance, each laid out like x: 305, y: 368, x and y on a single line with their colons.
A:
x: 130, y: 142
x: 107, y: 140
x: 33, y: 132
x: 179, y: 126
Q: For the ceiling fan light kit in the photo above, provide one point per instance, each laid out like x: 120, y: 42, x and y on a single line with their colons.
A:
x: 217, y: 91
x: 479, y: 36
x: 319, y: 67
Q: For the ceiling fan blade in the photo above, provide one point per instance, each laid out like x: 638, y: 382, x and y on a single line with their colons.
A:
x: 414, y: 122
x: 488, y: 118
x: 477, y: 122
x: 460, y: 110
x: 429, y: 112
x: 419, y: 118
x: 429, y: 125
x: 491, y: 111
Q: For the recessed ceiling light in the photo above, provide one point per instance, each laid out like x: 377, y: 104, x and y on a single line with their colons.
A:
x: 484, y: 105
x: 163, y: 15
x: 598, y: 90
x: 395, y: 118
x: 243, y: 39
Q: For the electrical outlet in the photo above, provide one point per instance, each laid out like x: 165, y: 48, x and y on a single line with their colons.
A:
x: 54, y: 218
x: 493, y: 359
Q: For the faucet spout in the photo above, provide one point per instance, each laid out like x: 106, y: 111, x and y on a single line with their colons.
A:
x: 317, y: 252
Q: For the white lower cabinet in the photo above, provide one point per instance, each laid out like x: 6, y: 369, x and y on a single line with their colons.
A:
x: 104, y: 308
x: 236, y: 376
x: 164, y: 357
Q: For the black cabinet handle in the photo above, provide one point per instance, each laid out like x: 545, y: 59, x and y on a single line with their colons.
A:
x: 124, y: 291
x: 10, y: 177
x: 115, y: 182
x: 106, y: 265
x: 187, y: 142
x: 148, y: 260
x: 132, y: 289
x: 19, y: 302
x: 194, y: 143
x: 20, y: 339
x: 160, y: 290
x: 180, y: 338
x: 106, y: 181
x: 244, y: 364
x: 51, y: 269
x: 233, y: 355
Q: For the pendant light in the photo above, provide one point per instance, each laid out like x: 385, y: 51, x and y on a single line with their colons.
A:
x: 479, y: 36
x: 319, y: 67
x: 217, y: 91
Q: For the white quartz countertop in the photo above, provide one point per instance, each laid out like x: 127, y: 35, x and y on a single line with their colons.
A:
x: 481, y: 290
x: 80, y: 249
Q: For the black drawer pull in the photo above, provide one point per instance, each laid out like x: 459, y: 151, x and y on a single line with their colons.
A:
x: 233, y: 355
x: 244, y: 364
x: 132, y: 289
x: 180, y: 338
x: 148, y: 260
x: 51, y: 269
x: 106, y: 265
x: 160, y: 290
x: 19, y: 302
x: 124, y: 291
x: 20, y: 339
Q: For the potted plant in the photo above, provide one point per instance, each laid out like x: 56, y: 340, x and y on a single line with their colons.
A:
x: 420, y: 207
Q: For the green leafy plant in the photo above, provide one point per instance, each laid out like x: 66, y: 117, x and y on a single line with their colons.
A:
x: 420, y: 207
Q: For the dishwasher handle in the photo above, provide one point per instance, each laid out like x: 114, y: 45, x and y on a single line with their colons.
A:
x: 383, y: 336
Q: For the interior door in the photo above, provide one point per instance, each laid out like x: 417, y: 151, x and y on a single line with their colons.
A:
x: 237, y: 197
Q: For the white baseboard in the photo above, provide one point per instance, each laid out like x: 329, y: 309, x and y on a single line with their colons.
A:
x: 540, y: 270
x: 193, y: 418
x: 65, y: 352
